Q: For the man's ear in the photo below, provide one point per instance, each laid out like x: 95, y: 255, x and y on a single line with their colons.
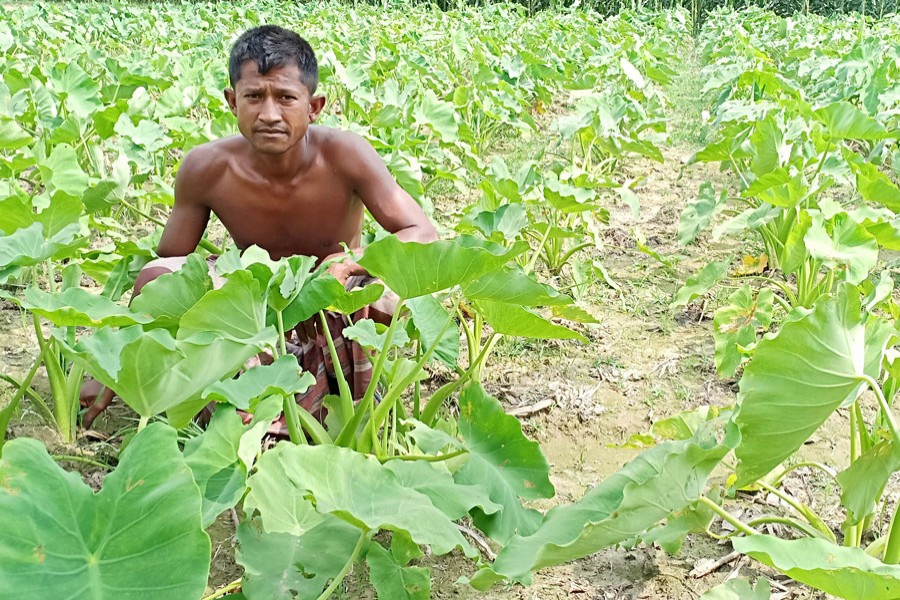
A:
x: 316, y: 104
x: 231, y: 99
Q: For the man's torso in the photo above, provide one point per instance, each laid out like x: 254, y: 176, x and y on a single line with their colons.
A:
x: 311, y: 214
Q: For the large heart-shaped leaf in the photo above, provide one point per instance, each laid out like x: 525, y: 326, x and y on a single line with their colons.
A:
x: 844, y: 121
x: 847, y: 246
x: 412, y: 269
x: 664, y: 479
x: 735, y: 325
x: 512, y: 319
x: 454, y: 499
x: 502, y: 459
x: 282, y: 566
x: 348, y: 485
x: 139, y: 537
x: 168, y: 297
x: 281, y: 377
x: 847, y: 573
x: 808, y: 370
x: 152, y: 372
x: 78, y: 307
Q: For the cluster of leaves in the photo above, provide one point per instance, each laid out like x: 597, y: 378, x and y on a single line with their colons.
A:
x: 805, y: 118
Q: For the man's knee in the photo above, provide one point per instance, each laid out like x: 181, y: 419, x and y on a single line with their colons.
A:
x: 157, y: 268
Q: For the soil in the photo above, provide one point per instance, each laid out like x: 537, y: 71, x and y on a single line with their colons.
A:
x: 644, y: 362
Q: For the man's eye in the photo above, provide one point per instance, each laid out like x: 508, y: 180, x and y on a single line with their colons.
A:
x: 288, y: 98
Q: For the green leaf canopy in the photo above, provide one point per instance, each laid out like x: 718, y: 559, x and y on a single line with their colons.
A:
x: 139, y: 537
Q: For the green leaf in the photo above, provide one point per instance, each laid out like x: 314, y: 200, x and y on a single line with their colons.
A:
x: 662, y: 480
x: 739, y: 589
x: 699, y: 213
x: 506, y: 462
x: 844, y: 121
x: 61, y: 171
x: 863, y: 482
x: 63, y: 211
x: 453, y: 499
x: 27, y: 247
x: 138, y: 537
x: 237, y: 310
x: 875, y: 186
x: 281, y: 378
x: 364, y: 332
x: 281, y: 566
x: 808, y: 370
x: 438, y: 115
x: 392, y: 580
x: 412, y: 269
x: 511, y: 285
x: 506, y: 221
x: 429, y: 318
x: 568, y: 198
x: 512, y: 319
x: 735, y: 325
x: 348, y: 485
x: 152, y: 372
x: 168, y: 297
x: 82, y: 94
x: 848, y: 573
x: 77, y: 307
x: 847, y: 246
x: 12, y: 136
x: 213, y: 460
x: 700, y: 283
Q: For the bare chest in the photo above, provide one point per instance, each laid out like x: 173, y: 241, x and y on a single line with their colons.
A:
x: 312, y: 216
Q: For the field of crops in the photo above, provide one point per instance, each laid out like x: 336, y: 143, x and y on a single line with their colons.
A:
x: 653, y: 355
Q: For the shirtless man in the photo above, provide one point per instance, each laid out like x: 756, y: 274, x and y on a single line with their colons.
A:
x: 284, y: 184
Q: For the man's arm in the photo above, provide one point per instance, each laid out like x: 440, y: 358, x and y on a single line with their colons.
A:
x: 190, y: 215
x: 389, y: 204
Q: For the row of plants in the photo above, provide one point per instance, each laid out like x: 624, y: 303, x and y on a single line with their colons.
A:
x: 91, y: 134
x: 804, y: 121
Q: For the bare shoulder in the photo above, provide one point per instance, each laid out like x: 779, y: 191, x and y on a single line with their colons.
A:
x: 203, y: 167
x: 347, y: 152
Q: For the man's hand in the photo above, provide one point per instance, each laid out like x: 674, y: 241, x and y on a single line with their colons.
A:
x: 342, y: 270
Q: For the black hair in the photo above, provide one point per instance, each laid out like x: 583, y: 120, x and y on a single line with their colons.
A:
x: 271, y: 46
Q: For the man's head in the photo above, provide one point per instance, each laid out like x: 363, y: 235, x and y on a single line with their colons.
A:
x: 271, y: 46
x: 274, y: 75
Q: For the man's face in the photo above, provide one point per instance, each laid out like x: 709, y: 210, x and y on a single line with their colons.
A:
x: 273, y: 110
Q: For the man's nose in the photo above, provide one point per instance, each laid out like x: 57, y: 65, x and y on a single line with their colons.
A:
x: 269, y: 112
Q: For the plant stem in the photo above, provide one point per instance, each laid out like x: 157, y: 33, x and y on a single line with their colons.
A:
x: 343, y: 386
x: 426, y: 457
x: 727, y: 516
x: 806, y: 512
x: 224, y: 590
x: 809, y: 463
x: 892, y: 550
x: 81, y: 459
x: 789, y: 522
x: 885, y: 407
x: 142, y: 423
x: 346, y: 568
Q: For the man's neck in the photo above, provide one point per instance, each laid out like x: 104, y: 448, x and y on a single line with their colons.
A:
x: 283, y: 168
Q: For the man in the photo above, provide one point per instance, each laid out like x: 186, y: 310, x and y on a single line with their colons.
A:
x: 284, y: 184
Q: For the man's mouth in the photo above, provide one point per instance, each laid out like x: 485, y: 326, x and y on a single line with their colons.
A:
x: 270, y: 131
